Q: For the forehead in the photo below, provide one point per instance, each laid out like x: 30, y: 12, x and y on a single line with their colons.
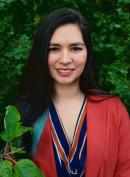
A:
x: 67, y: 33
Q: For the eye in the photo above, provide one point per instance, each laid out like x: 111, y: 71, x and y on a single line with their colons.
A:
x: 75, y: 49
x: 53, y: 49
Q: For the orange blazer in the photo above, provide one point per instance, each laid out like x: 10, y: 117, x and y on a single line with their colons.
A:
x: 108, y: 142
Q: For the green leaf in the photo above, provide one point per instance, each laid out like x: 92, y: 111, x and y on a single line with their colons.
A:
x: 11, y: 123
x: 12, y: 116
x: 12, y: 126
x: 6, y: 169
x: 26, y: 168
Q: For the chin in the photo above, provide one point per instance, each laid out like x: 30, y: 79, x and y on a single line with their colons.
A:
x: 67, y: 82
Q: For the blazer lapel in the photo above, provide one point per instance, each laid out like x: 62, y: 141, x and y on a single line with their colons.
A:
x: 44, y: 156
x: 96, y: 122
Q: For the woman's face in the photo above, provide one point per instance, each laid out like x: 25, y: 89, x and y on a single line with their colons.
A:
x: 67, y: 54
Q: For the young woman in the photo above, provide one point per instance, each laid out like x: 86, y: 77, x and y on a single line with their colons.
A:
x: 79, y: 130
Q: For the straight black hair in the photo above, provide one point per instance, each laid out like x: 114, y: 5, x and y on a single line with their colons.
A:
x: 36, y: 86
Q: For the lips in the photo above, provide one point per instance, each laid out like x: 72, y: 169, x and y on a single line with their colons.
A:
x: 64, y: 72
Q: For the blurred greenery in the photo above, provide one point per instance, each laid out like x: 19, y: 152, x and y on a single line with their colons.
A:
x: 13, y: 130
x: 109, y: 22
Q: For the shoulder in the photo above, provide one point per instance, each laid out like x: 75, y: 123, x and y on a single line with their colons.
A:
x: 105, y: 99
x: 111, y: 104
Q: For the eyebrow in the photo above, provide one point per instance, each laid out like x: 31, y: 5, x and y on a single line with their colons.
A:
x: 72, y: 44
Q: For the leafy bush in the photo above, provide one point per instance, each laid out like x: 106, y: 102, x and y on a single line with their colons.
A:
x: 112, y: 49
x: 110, y: 27
x: 9, y: 167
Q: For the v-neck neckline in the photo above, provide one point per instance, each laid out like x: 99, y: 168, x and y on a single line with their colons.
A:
x: 65, y: 153
x: 82, y: 109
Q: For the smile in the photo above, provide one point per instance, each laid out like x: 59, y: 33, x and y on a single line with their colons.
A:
x: 65, y: 72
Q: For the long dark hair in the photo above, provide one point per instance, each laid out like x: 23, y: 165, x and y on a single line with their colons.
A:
x: 36, y: 86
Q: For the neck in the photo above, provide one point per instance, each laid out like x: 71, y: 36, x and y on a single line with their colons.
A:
x: 67, y: 92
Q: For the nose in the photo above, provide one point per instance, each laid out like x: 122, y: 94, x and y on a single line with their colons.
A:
x: 65, y: 57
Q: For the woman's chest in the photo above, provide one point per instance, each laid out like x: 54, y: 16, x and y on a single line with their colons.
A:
x: 68, y: 118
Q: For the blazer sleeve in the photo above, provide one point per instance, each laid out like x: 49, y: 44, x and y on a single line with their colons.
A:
x: 123, y: 161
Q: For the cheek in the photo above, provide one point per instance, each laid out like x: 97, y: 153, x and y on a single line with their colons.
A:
x: 51, y: 61
x: 82, y: 59
x: 84, y: 56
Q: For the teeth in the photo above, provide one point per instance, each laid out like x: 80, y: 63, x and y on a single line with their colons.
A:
x: 65, y: 72
x: 65, y: 69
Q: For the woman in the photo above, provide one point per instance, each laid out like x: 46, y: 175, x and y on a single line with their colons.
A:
x: 79, y: 130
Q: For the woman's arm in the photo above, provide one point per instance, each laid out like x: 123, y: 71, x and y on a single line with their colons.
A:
x: 123, y: 161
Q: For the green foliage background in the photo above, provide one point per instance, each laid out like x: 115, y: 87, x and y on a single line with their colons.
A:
x: 109, y: 22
